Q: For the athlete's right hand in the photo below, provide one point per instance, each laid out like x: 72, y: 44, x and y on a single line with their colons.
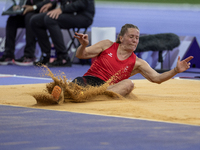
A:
x: 83, y: 38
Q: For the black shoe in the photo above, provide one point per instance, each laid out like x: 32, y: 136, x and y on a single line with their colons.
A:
x: 24, y: 61
x: 43, y: 61
x: 4, y: 60
x: 61, y: 63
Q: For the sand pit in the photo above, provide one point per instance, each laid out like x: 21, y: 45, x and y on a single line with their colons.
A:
x: 172, y: 101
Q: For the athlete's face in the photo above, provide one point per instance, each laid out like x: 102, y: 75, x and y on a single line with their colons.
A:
x: 130, y: 39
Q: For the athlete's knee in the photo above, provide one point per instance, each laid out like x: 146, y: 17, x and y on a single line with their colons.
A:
x: 129, y: 85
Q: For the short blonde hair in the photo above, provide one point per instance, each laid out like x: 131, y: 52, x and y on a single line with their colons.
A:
x: 124, y: 30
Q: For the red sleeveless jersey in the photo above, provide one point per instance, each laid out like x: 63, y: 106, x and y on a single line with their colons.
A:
x: 108, y: 65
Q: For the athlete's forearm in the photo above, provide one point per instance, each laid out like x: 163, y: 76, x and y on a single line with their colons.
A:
x: 80, y: 52
x: 166, y: 76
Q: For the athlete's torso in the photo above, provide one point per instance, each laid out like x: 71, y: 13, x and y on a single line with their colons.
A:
x: 107, y: 65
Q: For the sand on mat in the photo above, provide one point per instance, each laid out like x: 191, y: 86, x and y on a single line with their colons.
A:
x: 173, y: 101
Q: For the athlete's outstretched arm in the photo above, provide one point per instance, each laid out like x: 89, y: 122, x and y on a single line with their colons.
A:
x: 156, y: 77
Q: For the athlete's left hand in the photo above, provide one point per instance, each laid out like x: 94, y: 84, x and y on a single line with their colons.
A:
x: 183, y: 65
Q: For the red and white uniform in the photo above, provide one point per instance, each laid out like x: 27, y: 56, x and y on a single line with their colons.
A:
x: 107, y: 65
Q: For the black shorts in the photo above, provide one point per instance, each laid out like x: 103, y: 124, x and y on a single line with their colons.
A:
x: 88, y: 80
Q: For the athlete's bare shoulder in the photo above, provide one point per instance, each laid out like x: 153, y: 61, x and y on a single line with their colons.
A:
x: 106, y: 44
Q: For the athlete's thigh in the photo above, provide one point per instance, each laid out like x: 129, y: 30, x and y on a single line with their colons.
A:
x: 122, y: 84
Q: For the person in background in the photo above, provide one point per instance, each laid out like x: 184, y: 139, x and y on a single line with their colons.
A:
x: 70, y: 14
x: 31, y: 8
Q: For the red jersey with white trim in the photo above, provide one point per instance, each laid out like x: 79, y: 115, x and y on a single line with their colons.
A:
x: 108, y: 65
